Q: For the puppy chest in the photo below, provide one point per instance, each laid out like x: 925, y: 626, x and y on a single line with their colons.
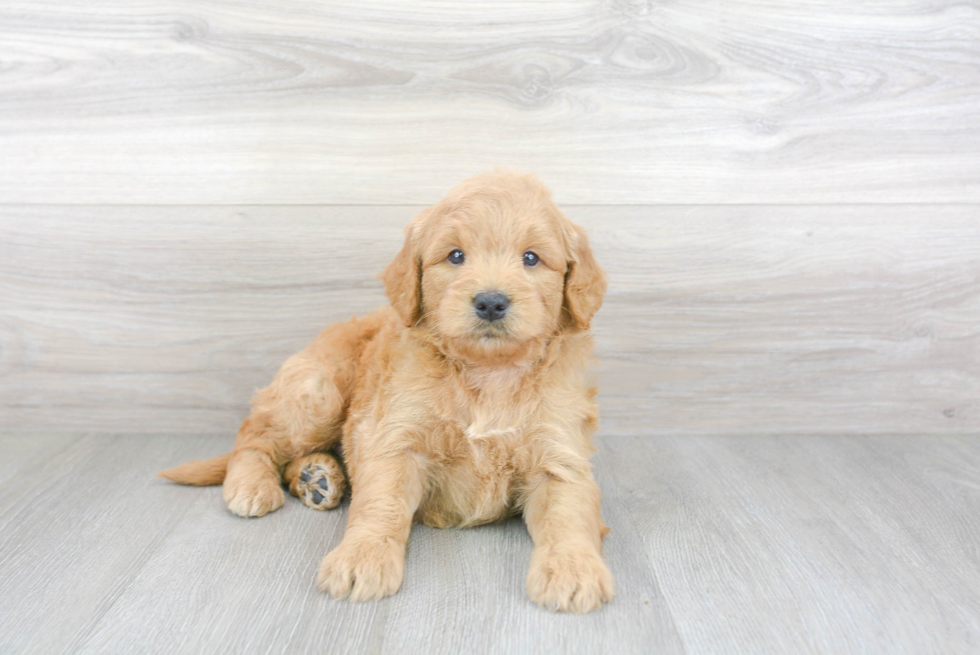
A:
x: 478, y: 484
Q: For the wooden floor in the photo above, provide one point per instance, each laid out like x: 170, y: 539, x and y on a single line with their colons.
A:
x: 718, y: 544
x: 785, y: 197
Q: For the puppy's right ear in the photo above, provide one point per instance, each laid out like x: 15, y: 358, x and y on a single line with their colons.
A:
x: 403, y: 276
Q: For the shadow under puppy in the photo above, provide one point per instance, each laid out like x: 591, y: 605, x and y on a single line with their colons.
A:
x: 462, y: 403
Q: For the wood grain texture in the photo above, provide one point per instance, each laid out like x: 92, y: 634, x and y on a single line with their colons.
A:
x: 23, y: 451
x: 810, y: 544
x: 774, y: 320
x: 75, y: 527
x: 719, y: 545
x: 301, y: 101
x: 216, y: 583
x: 463, y: 592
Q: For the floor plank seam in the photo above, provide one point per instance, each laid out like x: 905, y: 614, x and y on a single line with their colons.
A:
x: 79, y: 640
x: 41, y: 484
x: 616, y: 494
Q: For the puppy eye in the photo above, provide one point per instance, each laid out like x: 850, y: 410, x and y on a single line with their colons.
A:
x: 456, y: 257
x: 531, y: 259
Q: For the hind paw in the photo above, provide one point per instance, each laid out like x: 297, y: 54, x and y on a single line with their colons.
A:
x: 319, y: 481
x: 254, y: 495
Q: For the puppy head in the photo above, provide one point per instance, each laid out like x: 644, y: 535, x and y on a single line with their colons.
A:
x: 495, y: 266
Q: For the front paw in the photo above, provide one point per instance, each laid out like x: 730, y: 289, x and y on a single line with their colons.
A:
x: 366, y: 569
x: 569, y: 580
x: 253, y: 493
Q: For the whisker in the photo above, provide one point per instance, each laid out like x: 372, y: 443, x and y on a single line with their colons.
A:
x: 423, y: 317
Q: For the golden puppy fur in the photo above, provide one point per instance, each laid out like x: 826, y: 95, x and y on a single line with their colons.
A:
x: 443, y: 416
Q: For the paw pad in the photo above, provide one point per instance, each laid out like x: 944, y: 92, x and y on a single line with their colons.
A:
x: 320, y: 486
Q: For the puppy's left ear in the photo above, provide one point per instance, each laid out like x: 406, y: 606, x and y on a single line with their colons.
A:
x: 403, y: 276
x: 585, y: 283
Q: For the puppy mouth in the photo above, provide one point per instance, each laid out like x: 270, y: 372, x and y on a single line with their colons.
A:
x: 488, y: 331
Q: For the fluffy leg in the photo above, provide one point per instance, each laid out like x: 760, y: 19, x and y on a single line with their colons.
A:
x: 370, y: 561
x: 567, y: 572
x: 299, y: 414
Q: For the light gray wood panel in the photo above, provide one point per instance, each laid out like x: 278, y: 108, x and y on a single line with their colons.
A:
x: 110, y: 312
x: 74, y: 529
x: 303, y: 101
x: 719, y: 544
x: 810, y: 544
x: 22, y: 451
x: 846, y: 319
x: 776, y: 320
x: 221, y: 584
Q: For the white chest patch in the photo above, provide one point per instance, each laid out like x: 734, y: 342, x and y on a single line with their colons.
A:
x: 475, y: 432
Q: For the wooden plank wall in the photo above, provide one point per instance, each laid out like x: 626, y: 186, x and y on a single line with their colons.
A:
x: 786, y: 197
x: 619, y: 102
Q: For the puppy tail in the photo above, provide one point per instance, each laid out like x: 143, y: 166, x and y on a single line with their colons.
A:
x: 199, y: 472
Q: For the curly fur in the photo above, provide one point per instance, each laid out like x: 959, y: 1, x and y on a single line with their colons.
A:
x: 442, y: 417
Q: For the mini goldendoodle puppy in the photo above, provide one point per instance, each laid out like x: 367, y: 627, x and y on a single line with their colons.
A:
x: 462, y: 403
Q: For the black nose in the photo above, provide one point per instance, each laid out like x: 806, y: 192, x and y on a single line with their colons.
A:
x: 491, y: 305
